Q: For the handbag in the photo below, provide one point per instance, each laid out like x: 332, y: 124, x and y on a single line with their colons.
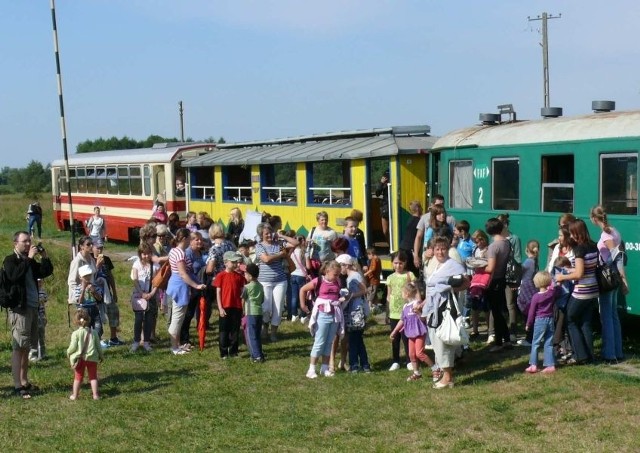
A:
x: 74, y: 365
x: 161, y: 279
x: 607, y: 276
x: 139, y: 303
x: 451, y: 331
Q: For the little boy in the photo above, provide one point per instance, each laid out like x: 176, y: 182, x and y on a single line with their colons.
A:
x: 229, y: 285
x: 40, y: 351
x: 350, y: 234
x: 465, y: 243
x: 372, y: 274
x: 540, y: 319
x: 253, y: 296
x: 88, y: 295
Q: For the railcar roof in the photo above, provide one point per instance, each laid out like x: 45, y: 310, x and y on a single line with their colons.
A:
x: 563, y: 129
x: 312, y: 150
x: 159, y: 153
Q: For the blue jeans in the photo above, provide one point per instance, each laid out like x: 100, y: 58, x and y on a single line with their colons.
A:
x: 296, y: 283
x: 358, y: 358
x: 254, y: 329
x: 611, y: 331
x: 579, y: 315
x: 35, y: 220
x: 325, y: 334
x: 543, y: 330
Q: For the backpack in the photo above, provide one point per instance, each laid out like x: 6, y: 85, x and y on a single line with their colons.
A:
x: 9, y: 294
x: 513, y: 274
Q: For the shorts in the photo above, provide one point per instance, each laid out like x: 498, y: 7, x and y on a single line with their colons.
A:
x: 24, y: 327
x: 113, y: 314
x: 92, y: 370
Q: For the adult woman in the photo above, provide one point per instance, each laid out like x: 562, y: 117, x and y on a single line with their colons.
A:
x: 497, y: 257
x: 437, y: 223
x: 511, y: 292
x: 585, y: 292
x: 84, y: 257
x: 141, y: 275
x: 271, y: 257
x: 195, y: 255
x: 563, y: 223
x: 410, y: 233
x: 180, y: 284
x: 97, y: 227
x: 321, y: 236
x: 236, y: 225
x: 609, y: 249
x: 438, y: 296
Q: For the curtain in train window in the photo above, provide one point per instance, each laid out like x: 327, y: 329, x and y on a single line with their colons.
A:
x: 557, y: 183
x: 505, y: 179
x: 461, y: 184
x: 619, y: 183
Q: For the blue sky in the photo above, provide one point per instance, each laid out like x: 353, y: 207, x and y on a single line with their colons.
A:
x: 264, y: 69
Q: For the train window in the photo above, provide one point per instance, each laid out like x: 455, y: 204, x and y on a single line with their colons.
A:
x: 619, y: 183
x: 135, y: 180
x: 278, y: 183
x: 62, y: 181
x: 146, y: 180
x: 91, y: 180
x: 557, y: 183
x: 236, y: 183
x: 101, y: 179
x: 202, y: 183
x: 461, y: 184
x: 506, y: 184
x: 81, y: 176
x: 112, y: 181
x: 123, y: 180
x: 329, y: 183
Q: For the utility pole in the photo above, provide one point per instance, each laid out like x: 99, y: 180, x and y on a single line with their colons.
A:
x: 545, y: 52
x: 181, y: 110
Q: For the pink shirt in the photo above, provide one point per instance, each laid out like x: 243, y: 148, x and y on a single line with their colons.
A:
x: 602, y: 248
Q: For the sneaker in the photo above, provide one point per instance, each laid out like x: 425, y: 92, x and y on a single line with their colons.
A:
x: 134, y: 346
x: 409, y: 366
x: 178, y: 351
x: 303, y: 319
x: 147, y: 347
x: 186, y: 347
x: 104, y: 344
x: 491, y: 339
x: 328, y: 373
x: 33, y: 359
x: 311, y: 374
x: 532, y: 369
x: 367, y: 370
x: 116, y: 342
x: 549, y: 370
x: 496, y: 348
x: 414, y: 377
x: 395, y: 366
x: 258, y: 360
x: 467, y: 325
x: 523, y: 342
x: 512, y: 338
x: 294, y: 318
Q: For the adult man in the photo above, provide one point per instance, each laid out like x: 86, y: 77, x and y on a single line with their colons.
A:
x: 423, y: 224
x: 382, y: 191
x: 23, y: 271
x: 34, y: 219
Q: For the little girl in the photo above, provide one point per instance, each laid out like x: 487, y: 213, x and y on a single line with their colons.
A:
x: 479, y: 279
x: 395, y: 303
x: 84, y: 352
x: 527, y: 287
x: 540, y: 319
x: 413, y: 328
x: 141, y: 274
x: 326, y: 317
x: 299, y: 277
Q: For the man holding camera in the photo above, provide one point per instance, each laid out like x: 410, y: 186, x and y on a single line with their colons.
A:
x: 23, y: 271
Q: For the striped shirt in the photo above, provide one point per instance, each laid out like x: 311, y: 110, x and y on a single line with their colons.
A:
x: 587, y: 286
x: 271, y: 272
x: 175, y: 256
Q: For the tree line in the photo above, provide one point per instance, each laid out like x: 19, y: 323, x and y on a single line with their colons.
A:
x: 35, y: 178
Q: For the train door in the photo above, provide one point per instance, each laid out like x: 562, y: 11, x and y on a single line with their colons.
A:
x: 159, y: 181
x: 377, y: 212
x: 412, y: 186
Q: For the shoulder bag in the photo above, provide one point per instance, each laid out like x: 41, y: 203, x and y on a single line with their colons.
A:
x: 451, y: 330
x: 607, y: 275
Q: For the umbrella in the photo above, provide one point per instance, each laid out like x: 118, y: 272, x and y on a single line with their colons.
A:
x: 202, y: 322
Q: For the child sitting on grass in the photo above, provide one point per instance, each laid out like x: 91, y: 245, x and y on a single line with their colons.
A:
x: 84, y: 352
x: 540, y: 319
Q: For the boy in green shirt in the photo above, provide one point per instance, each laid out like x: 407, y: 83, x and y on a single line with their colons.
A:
x: 253, y: 296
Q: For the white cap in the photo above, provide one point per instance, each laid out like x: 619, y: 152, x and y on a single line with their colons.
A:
x: 345, y: 259
x: 85, y: 270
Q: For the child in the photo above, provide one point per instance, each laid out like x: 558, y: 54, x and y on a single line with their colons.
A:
x: 326, y: 316
x: 527, y: 287
x: 350, y: 234
x: 192, y: 224
x: 395, y: 303
x: 299, y: 276
x: 88, y: 295
x: 355, y: 308
x: 562, y: 265
x: 413, y: 328
x: 540, y: 319
x: 373, y: 273
x: 141, y: 274
x: 229, y: 285
x: 253, y: 296
x: 84, y: 352
x: 479, y: 279
x: 40, y: 351
x: 465, y: 244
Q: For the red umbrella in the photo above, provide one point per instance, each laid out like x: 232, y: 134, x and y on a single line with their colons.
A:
x: 202, y: 322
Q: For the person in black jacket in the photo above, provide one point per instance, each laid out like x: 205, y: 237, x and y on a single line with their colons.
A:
x: 22, y: 270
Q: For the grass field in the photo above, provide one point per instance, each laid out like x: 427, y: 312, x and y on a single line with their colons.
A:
x: 197, y: 402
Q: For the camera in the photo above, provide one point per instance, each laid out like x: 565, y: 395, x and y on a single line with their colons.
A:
x: 39, y: 247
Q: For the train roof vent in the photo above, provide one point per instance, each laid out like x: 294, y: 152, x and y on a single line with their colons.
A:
x: 551, y: 112
x: 603, y: 106
x: 490, y: 119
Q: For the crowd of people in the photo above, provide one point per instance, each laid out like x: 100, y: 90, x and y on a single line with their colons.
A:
x: 332, y: 282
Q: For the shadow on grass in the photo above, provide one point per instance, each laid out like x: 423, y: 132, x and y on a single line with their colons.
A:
x: 153, y: 380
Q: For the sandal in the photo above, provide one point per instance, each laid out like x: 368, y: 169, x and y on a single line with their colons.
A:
x: 436, y: 375
x: 22, y: 393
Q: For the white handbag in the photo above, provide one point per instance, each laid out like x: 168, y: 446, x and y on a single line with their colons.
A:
x: 451, y: 331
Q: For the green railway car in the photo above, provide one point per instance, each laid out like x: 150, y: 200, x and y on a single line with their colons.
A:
x: 537, y: 170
